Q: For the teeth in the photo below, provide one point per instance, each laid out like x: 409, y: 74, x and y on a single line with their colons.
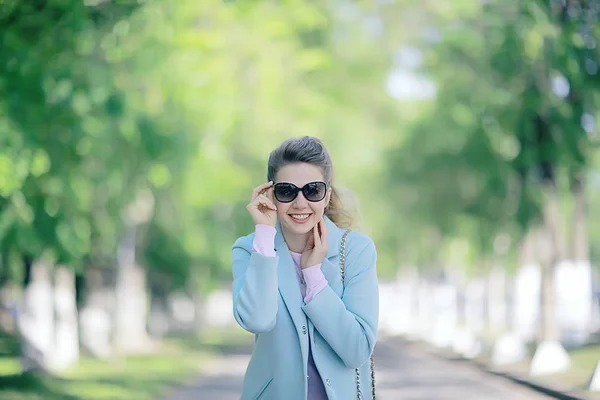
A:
x: 300, y: 216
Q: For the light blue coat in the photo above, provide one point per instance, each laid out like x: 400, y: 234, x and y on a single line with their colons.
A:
x: 341, y: 320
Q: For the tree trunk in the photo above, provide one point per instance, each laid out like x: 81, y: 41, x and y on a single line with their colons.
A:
x: 509, y: 347
x: 552, y: 252
x: 580, y: 246
x: 524, y: 289
x: 66, y: 334
x: 36, y: 321
x: 95, y: 314
x: 160, y: 319
x: 130, y: 335
x: 577, y: 298
x: 550, y: 355
x: 496, y: 301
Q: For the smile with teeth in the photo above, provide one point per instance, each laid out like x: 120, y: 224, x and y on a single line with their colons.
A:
x: 300, y: 217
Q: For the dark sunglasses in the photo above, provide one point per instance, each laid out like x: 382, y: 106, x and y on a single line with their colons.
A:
x: 313, y: 191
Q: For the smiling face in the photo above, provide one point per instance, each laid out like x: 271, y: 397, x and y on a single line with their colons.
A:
x: 300, y: 216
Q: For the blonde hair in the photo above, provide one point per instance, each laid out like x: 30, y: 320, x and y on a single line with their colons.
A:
x: 311, y: 150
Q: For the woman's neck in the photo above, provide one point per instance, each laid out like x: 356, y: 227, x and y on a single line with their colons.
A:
x: 295, y: 242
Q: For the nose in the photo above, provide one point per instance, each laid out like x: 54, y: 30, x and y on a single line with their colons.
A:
x: 300, y: 201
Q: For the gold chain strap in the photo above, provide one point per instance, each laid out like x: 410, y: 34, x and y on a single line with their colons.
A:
x: 342, y: 274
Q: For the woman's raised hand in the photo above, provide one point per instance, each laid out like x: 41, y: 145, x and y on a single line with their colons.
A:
x: 262, y: 205
x: 316, y: 246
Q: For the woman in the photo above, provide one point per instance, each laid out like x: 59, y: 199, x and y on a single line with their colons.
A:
x: 312, y: 330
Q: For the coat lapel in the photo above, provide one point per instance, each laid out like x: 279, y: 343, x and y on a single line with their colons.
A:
x: 330, y: 266
x: 289, y: 287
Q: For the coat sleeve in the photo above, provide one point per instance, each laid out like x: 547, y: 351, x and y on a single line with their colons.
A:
x: 255, y: 292
x: 349, y: 324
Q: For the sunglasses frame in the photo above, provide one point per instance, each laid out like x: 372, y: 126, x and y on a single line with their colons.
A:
x: 298, y: 190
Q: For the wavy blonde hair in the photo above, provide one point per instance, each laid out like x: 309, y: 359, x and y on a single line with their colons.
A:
x: 311, y: 150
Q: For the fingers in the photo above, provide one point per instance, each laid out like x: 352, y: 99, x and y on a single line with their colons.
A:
x: 270, y: 194
x: 323, y: 228
x: 261, y: 188
x: 324, y: 235
x: 310, y: 243
x: 320, y: 240
x: 262, y: 200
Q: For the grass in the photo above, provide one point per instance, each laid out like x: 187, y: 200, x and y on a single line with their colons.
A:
x: 135, y: 377
x: 583, y: 363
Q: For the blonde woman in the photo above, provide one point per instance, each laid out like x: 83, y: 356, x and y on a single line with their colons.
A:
x: 314, y: 332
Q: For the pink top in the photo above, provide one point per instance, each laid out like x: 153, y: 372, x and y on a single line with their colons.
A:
x: 312, y: 281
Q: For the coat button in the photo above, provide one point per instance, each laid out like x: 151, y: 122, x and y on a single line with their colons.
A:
x: 328, y: 382
x: 304, y: 330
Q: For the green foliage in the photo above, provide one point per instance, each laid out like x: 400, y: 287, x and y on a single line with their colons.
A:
x: 101, y: 101
x: 185, y: 100
x: 134, y: 377
x: 513, y: 85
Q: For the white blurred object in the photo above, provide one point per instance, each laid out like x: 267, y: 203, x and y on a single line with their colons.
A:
x: 508, y: 349
x: 394, y: 308
x: 595, y: 317
x: 594, y: 384
x: 95, y: 331
x: 386, y: 306
x: 159, y: 322
x: 403, y: 84
x: 404, y: 321
x: 550, y: 357
x: 466, y: 343
x: 130, y: 335
x: 95, y: 324
x: 425, y: 312
x: 475, y: 294
x: 526, y: 305
x: 140, y: 210
x: 475, y: 350
x: 218, y: 308
x: 496, y: 300
x: 65, y: 351
x: 574, y: 300
x: 182, y: 307
x: 36, y: 321
x: 446, y: 315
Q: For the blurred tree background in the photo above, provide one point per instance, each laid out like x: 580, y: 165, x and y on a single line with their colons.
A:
x: 132, y: 133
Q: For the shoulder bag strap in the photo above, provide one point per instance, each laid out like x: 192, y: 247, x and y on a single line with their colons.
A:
x: 342, y: 275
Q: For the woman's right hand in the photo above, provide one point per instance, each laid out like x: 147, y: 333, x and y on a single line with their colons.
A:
x: 262, y: 206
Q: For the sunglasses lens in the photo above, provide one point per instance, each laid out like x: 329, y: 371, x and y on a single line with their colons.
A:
x: 315, y: 191
x: 285, y: 192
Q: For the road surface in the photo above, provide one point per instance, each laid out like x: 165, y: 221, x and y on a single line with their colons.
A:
x: 403, y: 372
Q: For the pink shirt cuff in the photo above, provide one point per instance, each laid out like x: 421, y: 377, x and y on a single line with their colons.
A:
x: 264, y: 240
x: 315, y: 281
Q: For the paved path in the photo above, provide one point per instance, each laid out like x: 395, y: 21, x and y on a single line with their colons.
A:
x: 402, y: 372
